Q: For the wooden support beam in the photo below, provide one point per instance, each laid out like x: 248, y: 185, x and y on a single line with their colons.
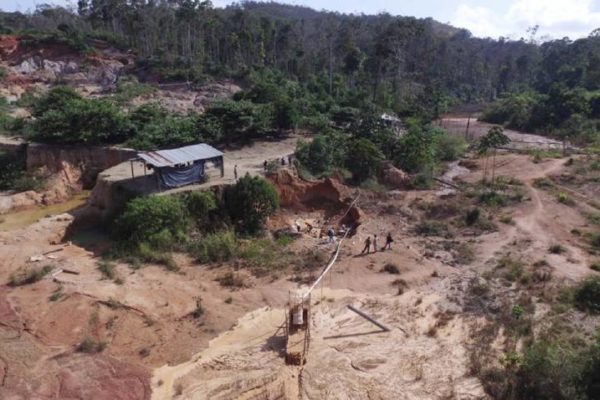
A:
x: 371, y: 320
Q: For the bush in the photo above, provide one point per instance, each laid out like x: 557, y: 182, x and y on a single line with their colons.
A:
x: 565, y: 199
x: 556, y: 249
x: 595, y: 267
x: 249, y: 202
x: 451, y: 147
x: 391, y: 269
x: 587, y: 295
x: 89, y: 345
x: 160, y: 221
x: 200, y: 205
x: 472, y: 216
x: 232, y: 280
x: 214, y: 247
x: 432, y: 228
x: 34, y: 275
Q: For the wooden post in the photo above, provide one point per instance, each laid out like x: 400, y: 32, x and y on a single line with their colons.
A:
x: 132, y: 174
x: 222, y: 167
x: 145, y: 168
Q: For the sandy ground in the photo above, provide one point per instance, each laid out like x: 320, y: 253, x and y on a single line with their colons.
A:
x: 155, y: 348
x: 476, y: 129
x: 249, y: 159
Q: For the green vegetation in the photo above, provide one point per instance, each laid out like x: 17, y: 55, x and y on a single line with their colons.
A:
x: 556, y: 249
x: 107, y: 269
x: 13, y: 175
x: 214, y: 247
x: 32, y: 276
x: 249, y: 202
x: 587, y: 295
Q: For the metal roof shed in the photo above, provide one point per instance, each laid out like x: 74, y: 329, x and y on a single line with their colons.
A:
x: 184, y: 165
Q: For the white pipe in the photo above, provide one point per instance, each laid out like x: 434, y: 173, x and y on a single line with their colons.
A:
x: 335, y: 256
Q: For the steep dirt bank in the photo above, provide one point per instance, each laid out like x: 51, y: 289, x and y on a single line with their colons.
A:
x: 67, y: 170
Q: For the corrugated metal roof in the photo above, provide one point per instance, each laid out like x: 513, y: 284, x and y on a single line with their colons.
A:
x: 182, y: 155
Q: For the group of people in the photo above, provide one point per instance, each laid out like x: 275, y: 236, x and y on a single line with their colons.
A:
x: 282, y: 161
x: 368, y: 243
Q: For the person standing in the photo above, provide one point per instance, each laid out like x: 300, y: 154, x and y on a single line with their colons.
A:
x: 235, y: 175
x: 330, y: 235
x: 374, y: 243
x: 388, y: 242
x: 367, y: 245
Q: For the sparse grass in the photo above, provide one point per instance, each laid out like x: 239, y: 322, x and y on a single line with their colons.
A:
x: 232, y: 280
x: 593, y: 218
x: 147, y: 254
x: 506, y: 219
x: 433, y: 228
x: 556, y: 249
x: 56, y: 295
x: 512, y: 269
x: 391, y: 269
x: 540, y: 263
x: 228, y: 300
x: 34, y: 275
x: 107, y: 268
x: 543, y: 183
x: 214, y: 247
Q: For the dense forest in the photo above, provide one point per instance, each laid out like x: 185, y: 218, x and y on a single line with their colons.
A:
x: 393, y: 61
x: 328, y: 73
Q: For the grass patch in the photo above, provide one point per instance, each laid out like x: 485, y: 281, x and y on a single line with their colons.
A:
x: 228, y: 300
x: 34, y: 275
x: 56, y: 295
x: 214, y: 247
x: 587, y: 295
x: 512, y: 269
x: 107, y: 268
x: 433, y: 228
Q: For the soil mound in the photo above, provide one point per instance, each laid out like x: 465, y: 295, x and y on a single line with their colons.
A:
x: 329, y: 194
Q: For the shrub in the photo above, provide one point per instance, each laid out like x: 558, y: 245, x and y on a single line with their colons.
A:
x: 451, y: 147
x: 89, y: 345
x: 249, y: 202
x: 513, y: 269
x: 157, y: 220
x: 107, y: 269
x: 556, y: 249
x: 432, y: 228
x: 587, y: 295
x: 565, y: 199
x: 391, y: 269
x: 472, y: 216
x: 232, y: 280
x: 34, y: 275
x: 214, y: 247
x: 200, y: 205
x: 199, y: 310
x: 595, y: 267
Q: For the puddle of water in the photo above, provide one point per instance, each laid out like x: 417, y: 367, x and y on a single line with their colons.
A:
x: 20, y: 219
